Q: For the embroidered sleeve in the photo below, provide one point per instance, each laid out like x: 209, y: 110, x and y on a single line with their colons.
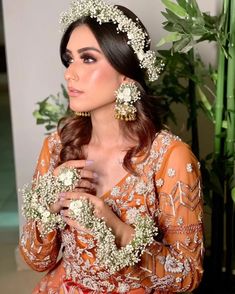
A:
x: 41, y: 254
x: 174, y: 262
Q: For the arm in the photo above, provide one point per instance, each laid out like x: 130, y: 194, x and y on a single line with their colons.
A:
x: 175, y: 262
x: 41, y: 254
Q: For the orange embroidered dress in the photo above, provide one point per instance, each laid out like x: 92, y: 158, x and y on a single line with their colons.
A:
x: 168, y: 189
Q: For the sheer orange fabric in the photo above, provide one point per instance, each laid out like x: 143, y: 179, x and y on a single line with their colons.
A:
x: 168, y: 189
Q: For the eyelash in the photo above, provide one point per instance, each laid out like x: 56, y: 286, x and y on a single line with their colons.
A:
x: 67, y: 60
x: 85, y: 57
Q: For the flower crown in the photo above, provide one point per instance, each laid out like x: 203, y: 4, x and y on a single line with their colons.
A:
x: 104, y: 13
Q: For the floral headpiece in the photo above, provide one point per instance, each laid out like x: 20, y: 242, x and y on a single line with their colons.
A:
x: 104, y: 13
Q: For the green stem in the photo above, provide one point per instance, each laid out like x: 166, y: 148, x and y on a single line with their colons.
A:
x: 219, y: 102
x: 230, y: 141
x: 193, y: 108
x: 230, y: 138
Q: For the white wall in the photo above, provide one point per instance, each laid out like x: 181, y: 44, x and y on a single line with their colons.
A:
x: 34, y: 70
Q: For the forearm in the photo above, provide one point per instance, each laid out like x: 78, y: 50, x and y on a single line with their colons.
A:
x: 40, y: 254
x: 123, y: 232
x: 177, y: 267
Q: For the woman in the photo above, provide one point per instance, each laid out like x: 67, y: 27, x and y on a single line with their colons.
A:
x: 128, y: 166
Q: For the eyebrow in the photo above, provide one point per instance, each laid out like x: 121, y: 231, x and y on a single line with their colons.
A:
x: 85, y: 49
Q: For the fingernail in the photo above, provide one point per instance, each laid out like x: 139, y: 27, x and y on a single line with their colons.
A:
x: 89, y: 162
x: 62, y: 195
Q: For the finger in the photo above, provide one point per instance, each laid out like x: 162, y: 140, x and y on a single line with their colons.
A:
x: 56, y: 207
x: 73, y: 163
x: 65, y: 203
x: 65, y: 212
x: 74, y: 195
x: 77, y: 163
x: 87, y: 174
x: 85, y: 184
x: 74, y: 224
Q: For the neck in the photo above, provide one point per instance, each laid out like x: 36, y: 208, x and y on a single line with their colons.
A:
x: 105, y: 129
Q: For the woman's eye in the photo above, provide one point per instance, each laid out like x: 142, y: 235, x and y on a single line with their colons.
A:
x: 87, y: 58
x: 67, y: 59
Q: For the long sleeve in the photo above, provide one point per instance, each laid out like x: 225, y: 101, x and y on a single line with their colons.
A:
x: 41, y: 254
x: 174, y: 262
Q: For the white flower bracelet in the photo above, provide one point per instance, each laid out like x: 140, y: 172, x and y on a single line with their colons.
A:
x: 42, y: 193
x: 108, y: 254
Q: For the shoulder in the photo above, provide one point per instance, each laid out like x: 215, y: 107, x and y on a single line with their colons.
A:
x: 49, y: 154
x: 168, y: 143
x: 53, y: 143
x: 165, y: 139
x: 173, y: 151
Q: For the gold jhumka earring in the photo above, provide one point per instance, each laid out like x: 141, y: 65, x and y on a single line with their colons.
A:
x: 126, y: 95
x: 81, y: 113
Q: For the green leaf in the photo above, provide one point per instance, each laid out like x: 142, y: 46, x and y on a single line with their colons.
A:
x: 173, y: 37
x: 37, y: 114
x: 196, y: 8
x: 224, y: 124
x: 50, y: 127
x: 64, y: 91
x: 182, y: 3
x: 206, y: 104
x: 233, y: 194
x: 183, y: 45
x: 41, y: 121
x: 176, y: 9
x: 171, y: 17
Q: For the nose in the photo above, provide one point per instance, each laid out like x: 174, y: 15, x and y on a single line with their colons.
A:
x: 70, y: 73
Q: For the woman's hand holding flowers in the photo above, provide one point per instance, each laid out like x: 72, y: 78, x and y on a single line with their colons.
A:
x: 86, y: 183
x: 123, y: 232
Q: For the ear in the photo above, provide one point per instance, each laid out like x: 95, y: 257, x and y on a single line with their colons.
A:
x: 126, y: 79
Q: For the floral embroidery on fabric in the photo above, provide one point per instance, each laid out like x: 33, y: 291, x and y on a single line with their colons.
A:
x: 171, y: 172
x: 189, y: 167
x: 158, y: 191
x: 173, y: 265
x: 159, y: 182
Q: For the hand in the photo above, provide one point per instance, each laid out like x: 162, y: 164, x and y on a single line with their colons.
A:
x: 121, y: 230
x: 87, y: 182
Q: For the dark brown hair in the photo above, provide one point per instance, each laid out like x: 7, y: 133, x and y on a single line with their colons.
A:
x: 75, y: 132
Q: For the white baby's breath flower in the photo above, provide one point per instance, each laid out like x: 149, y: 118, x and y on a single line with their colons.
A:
x: 66, y: 177
x: 41, y: 209
x: 45, y: 216
x: 42, y: 193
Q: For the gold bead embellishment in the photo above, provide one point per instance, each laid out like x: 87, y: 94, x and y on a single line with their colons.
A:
x: 80, y: 113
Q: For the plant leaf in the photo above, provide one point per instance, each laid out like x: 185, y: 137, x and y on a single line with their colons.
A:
x: 183, y: 45
x: 206, y: 104
x: 182, y: 3
x: 176, y: 9
x: 233, y: 194
x: 173, y: 37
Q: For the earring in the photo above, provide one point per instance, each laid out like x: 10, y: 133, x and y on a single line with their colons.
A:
x: 80, y: 113
x: 126, y: 95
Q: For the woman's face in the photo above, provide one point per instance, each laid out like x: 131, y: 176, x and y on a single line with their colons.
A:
x: 91, y: 80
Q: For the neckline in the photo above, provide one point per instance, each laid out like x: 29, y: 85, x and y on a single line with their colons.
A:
x: 107, y: 193
x: 138, y: 160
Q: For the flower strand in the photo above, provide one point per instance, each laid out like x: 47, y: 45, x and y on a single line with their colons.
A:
x: 43, y: 192
x: 108, y: 255
x: 103, y: 13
